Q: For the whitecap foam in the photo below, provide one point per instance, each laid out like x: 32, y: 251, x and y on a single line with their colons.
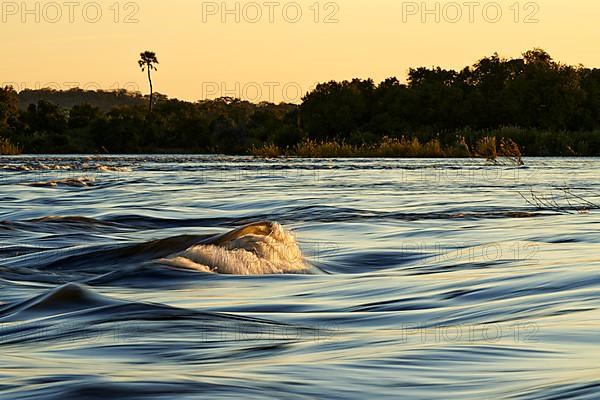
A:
x: 256, y: 249
x: 36, y: 167
x: 82, y: 181
x: 111, y: 168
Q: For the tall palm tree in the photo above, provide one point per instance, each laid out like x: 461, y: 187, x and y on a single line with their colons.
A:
x: 148, y: 62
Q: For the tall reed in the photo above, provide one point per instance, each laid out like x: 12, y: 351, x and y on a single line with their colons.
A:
x: 486, y: 147
x: 8, y: 148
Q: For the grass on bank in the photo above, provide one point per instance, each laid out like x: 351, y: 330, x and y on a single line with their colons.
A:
x: 486, y: 147
x: 8, y: 148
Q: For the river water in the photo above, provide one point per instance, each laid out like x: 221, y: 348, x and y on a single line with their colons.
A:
x: 128, y: 277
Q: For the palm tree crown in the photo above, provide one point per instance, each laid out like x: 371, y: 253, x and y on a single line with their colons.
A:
x: 148, y: 60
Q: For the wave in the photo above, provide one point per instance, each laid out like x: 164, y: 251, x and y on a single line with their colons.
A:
x: 112, y: 168
x: 256, y: 249
x: 67, y: 298
x: 323, y: 214
x: 82, y: 181
x: 259, y: 248
x: 92, y: 310
x: 36, y: 167
x: 69, y: 166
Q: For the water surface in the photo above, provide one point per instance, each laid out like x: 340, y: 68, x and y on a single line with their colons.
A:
x: 426, y: 279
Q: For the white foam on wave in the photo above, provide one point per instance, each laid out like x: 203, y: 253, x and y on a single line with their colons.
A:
x: 82, y: 181
x: 74, y: 166
x: 258, y: 249
x: 36, y: 167
x: 112, y: 168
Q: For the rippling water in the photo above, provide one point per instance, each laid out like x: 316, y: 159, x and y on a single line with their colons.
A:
x: 416, y: 278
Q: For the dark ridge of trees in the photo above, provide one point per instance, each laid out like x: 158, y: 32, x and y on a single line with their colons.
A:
x: 548, y: 108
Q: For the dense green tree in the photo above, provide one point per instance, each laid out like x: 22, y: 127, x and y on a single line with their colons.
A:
x: 83, y: 115
x: 336, y: 109
x: 9, y: 112
x: 46, y: 117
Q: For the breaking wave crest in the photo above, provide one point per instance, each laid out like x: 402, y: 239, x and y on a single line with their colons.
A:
x: 82, y: 181
x: 257, y: 249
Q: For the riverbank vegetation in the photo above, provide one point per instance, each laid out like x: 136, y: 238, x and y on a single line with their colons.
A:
x: 8, y: 148
x: 531, y: 105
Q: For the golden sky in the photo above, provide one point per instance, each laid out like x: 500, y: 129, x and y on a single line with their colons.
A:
x: 275, y: 50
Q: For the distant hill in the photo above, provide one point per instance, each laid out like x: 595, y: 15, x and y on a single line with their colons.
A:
x: 104, y: 100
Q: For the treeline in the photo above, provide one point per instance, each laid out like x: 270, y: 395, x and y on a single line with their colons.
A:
x: 223, y: 125
x: 102, y: 99
x: 548, y: 108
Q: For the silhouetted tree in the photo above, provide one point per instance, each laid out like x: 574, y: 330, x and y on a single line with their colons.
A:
x: 336, y: 109
x: 148, y: 62
x: 8, y: 107
x: 46, y: 117
x: 82, y: 115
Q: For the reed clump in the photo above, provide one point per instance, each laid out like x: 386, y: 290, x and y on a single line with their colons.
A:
x: 460, y: 149
x: 387, y: 148
x: 407, y: 148
x: 267, y: 151
x: 487, y: 147
x: 326, y: 149
x: 511, y: 150
x: 8, y: 148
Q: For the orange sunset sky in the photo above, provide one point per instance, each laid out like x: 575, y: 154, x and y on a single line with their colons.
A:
x: 273, y: 50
